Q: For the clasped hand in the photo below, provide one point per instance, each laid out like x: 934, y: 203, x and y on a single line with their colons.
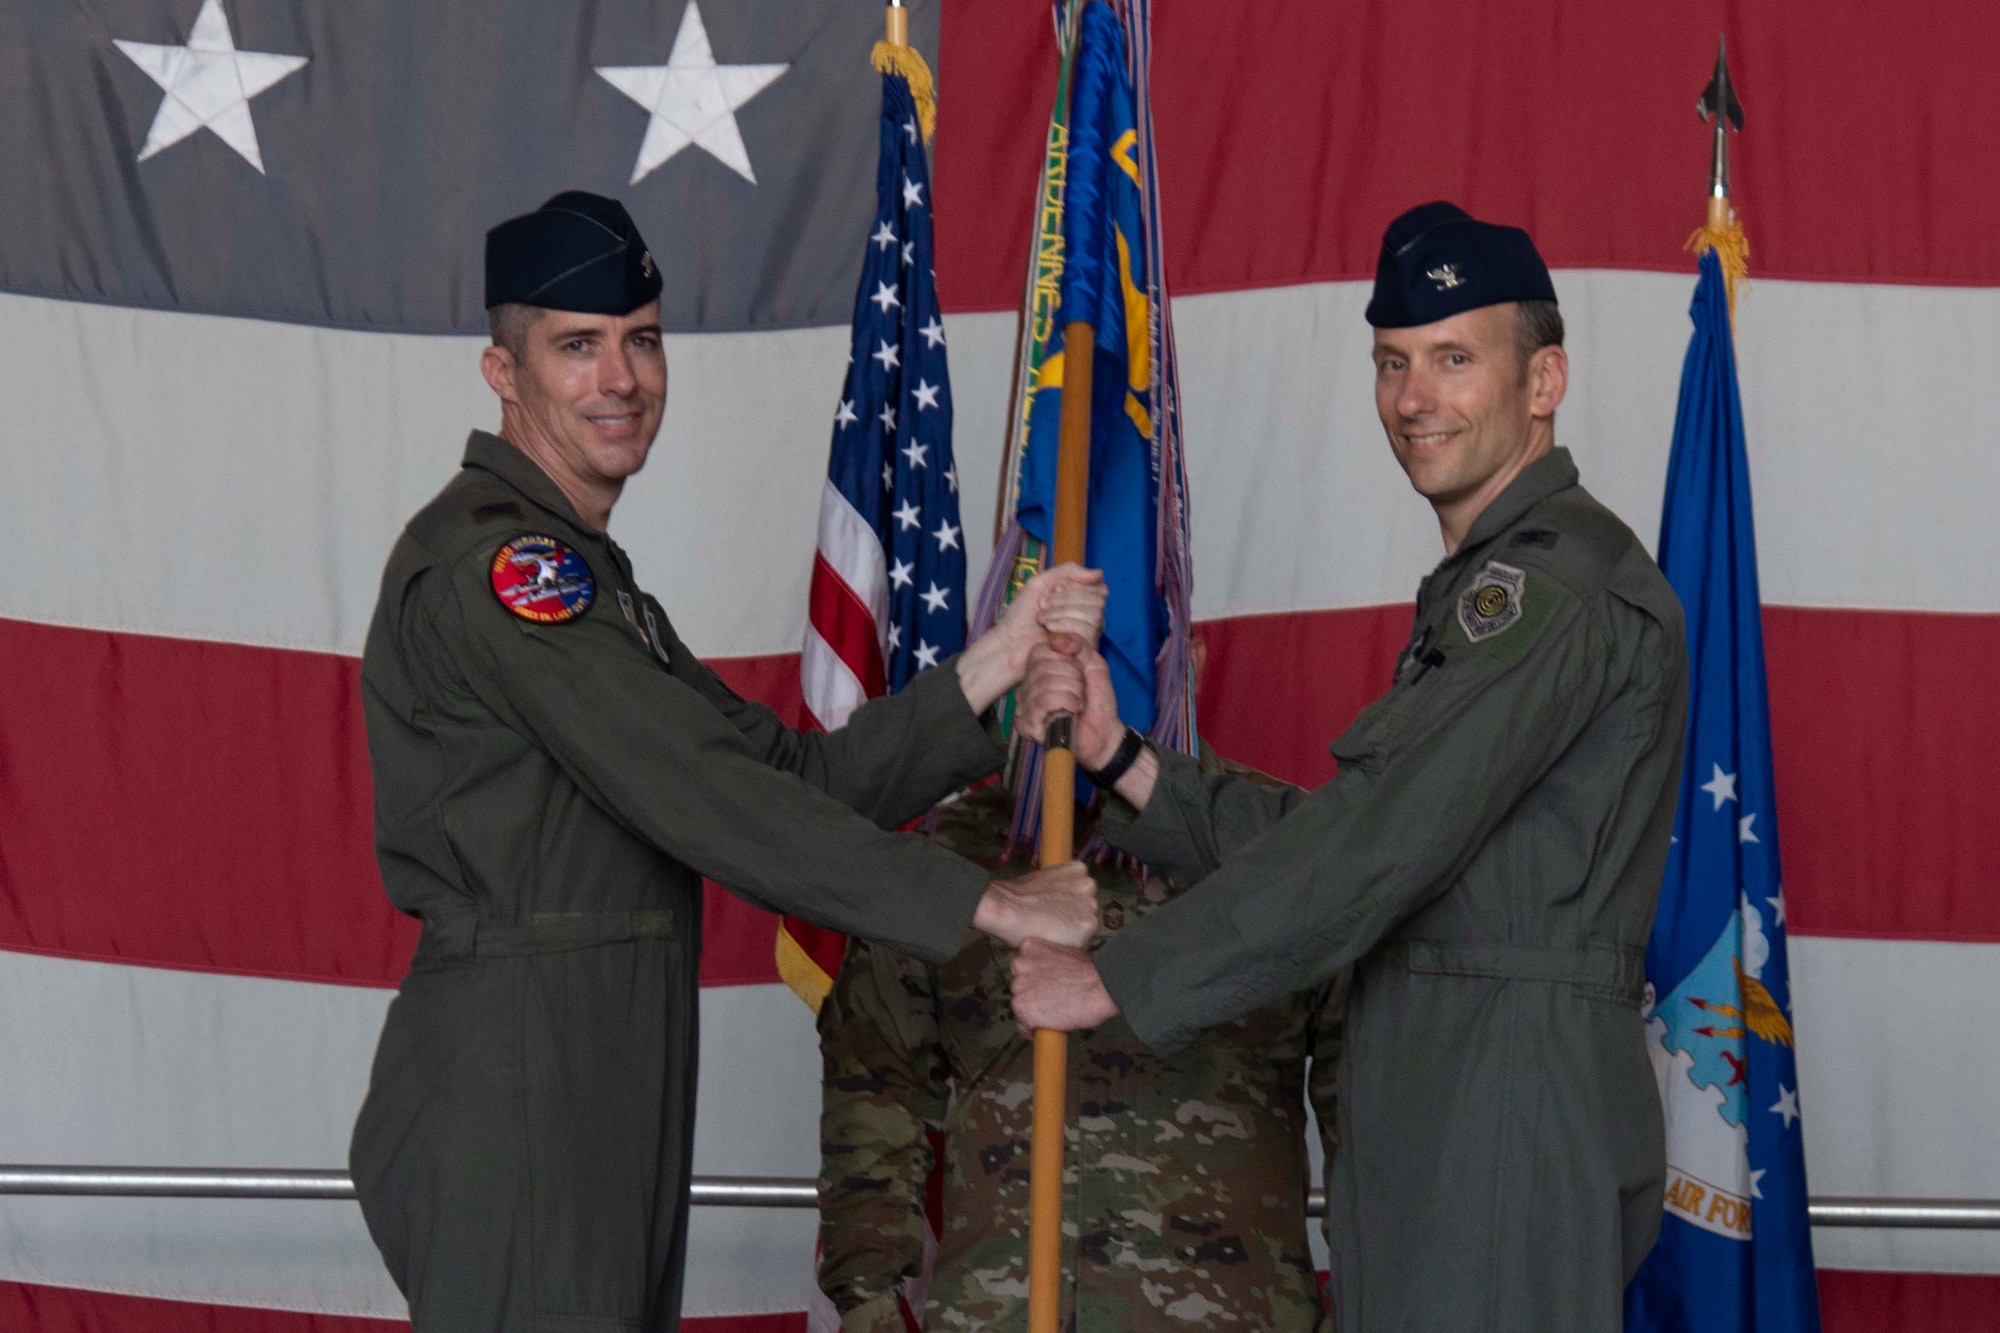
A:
x: 1070, y: 676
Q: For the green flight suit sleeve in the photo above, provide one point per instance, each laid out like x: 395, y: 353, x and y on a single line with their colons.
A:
x: 656, y: 753
x: 1426, y: 774
x: 896, y: 756
x: 1325, y: 1028
x: 885, y: 1088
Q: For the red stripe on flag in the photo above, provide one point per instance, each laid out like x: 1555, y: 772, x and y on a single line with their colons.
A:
x: 1290, y: 132
x: 1886, y: 731
x: 1886, y: 734
x: 27, y: 1308
x: 844, y: 621
x: 199, y: 805
x: 1851, y: 1302
x: 206, y: 806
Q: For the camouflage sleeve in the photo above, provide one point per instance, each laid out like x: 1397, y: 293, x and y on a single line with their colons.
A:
x: 886, y: 1084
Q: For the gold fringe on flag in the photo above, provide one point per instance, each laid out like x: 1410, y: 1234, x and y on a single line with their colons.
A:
x: 893, y: 58
x: 1724, y: 235
x: 799, y: 970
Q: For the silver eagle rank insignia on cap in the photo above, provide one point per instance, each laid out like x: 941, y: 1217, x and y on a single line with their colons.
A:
x: 1492, y: 603
x: 1446, y: 276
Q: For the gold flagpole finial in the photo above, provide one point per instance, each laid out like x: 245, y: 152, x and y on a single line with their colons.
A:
x: 894, y: 55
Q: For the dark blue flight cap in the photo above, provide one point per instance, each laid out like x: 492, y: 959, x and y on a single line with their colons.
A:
x: 1438, y: 261
x: 579, y: 251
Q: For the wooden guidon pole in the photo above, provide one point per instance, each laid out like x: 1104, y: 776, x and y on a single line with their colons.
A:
x: 1045, y: 1161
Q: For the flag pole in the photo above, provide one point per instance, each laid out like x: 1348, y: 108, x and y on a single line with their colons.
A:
x: 898, y: 24
x: 1050, y: 1110
x: 1721, y: 232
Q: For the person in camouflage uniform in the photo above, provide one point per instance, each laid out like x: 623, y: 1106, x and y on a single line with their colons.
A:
x: 1185, y: 1175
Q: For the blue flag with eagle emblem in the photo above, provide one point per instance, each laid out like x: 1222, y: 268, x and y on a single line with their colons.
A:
x: 1735, y: 1249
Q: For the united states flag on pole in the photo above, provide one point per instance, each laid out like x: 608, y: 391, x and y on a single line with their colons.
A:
x: 888, y: 581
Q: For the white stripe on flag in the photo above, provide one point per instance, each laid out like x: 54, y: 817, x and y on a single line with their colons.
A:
x: 182, y: 504
x: 832, y: 690
x: 133, y: 1066
x: 853, y: 551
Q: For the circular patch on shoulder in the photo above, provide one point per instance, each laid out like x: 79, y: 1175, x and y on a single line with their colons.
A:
x: 540, y: 579
x: 1490, y: 601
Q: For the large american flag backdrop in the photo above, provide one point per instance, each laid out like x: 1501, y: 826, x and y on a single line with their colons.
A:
x: 239, y: 324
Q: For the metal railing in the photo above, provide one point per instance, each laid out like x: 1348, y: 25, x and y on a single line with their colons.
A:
x: 147, y: 1182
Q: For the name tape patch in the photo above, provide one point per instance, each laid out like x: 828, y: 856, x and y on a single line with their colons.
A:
x: 541, y: 580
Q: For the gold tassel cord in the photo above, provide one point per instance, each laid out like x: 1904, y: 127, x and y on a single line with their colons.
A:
x: 1731, y: 247
x: 890, y: 58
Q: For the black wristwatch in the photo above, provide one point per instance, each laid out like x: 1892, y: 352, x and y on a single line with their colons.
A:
x: 1120, y: 762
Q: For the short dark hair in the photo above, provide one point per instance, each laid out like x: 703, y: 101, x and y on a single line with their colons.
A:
x: 1539, y: 324
x: 509, y: 323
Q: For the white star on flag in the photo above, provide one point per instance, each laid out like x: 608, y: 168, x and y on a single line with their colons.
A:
x: 885, y: 296
x: 951, y: 476
x: 1778, y: 907
x: 885, y: 235
x: 933, y: 333
x: 887, y: 416
x: 926, y: 655
x: 888, y: 476
x: 1743, y: 831
x: 692, y: 100
x: 907, y: 515
x: 926, y: 394
x: 909, y: 253
x: 947, y: 536
x: 916, y: 453
x: 895, y: 635
x: 1756, y: 1176
x: 910, y: 128
x: 208, y: 84
x: 913, y: 193
x: 843, y: 416
x: 899, y: 574
x: 887, y: 355
x: 936, y: 598
x: 1788, y: 1104
x: 1722, y: 786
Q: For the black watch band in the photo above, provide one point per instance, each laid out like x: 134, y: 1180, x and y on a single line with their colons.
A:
x: 1120, y: 763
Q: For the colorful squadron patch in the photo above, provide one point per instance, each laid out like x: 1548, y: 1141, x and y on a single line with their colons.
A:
x: 1493, y: 603
x: 540, y: 579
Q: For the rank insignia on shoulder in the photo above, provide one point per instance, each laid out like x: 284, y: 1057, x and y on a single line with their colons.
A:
x: 541, y: 580
x: 1492, y: 604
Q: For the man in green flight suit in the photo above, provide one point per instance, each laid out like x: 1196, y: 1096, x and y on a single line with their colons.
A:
x: 554, y: 773
x: 1488, y: 857
x: 1186, y: 1173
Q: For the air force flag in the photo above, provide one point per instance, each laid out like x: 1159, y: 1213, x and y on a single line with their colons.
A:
x: 1735, y: 1252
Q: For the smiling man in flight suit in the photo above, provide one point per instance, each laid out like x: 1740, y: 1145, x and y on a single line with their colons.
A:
x: 555, y: 772
x: 1488, y: 856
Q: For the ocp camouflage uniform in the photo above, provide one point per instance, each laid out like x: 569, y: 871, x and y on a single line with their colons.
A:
x: 1185, y: 1174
